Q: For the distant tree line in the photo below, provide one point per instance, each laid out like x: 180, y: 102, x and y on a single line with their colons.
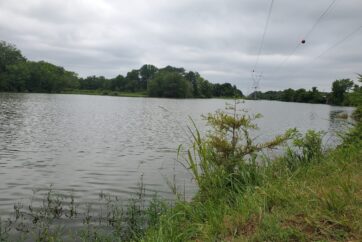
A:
x: 17, y: 74
x: 342, y: 94
x: 164, y: 82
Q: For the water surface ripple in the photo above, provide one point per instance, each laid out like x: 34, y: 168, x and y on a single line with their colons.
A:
x: 88, y: 144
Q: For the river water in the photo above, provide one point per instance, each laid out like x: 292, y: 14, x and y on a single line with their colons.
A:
x: 90, y: 144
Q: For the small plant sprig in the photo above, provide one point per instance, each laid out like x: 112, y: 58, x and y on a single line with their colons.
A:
x: 230, y: 140
x: 228, y: 154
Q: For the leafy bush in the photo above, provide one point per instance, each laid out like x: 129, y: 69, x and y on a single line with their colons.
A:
x: 357, y: 114
x: 226, y: 159
x: 304, y: 149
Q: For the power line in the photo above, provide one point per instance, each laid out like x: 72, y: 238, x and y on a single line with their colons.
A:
x: 348, y: 36
x: 337, y: 43
x: 320, y: 18
x: 306, y: 35
x: 256, y: 77
x: 264, y: 33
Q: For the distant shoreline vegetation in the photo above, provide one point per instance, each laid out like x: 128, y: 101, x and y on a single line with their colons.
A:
x: 17, y: 74
x: 344, y: 93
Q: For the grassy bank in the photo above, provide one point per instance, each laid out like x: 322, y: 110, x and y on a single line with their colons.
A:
x: 319, y: 201
x: 302, y: 196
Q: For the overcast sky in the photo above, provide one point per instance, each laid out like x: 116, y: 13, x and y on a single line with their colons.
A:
x: 218, y: 38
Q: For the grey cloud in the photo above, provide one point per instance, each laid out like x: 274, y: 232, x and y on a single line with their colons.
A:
x: 220, y: 39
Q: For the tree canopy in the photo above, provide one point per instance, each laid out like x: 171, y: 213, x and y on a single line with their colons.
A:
x: 20, y: 75
x: 9, y: 55
x: 169, y: 83
x: 29, y: 76
x: 339, y: 91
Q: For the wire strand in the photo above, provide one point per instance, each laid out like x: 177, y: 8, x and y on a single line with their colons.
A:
x: 264, y: 34
x: 338, y: 42
x: 319, y: 19
x: 306, y: 35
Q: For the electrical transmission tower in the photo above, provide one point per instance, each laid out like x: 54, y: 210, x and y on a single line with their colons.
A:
x: 256, y: 77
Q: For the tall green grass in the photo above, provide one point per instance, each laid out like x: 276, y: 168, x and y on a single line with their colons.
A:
x: 59, y: 217
x: 320, y: 200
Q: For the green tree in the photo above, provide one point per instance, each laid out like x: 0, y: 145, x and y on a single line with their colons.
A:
x: 118, y: 83
x: 339, y: 90
x: 192, y: 78
x: 16, y: 78
x: 288, y: 95
x: 147, y: 72
x: 18, y: 74
x: 9, y: 55
x: 178, y: 70
x: 205, y: 88
x: 315, y: 96
x: 38, y: 77
x: 355, y: 97
x: 301, y: 95
x: 46, y: 77
x: 226, y: 90
x: 169, y: 84
x: 133, y: 81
